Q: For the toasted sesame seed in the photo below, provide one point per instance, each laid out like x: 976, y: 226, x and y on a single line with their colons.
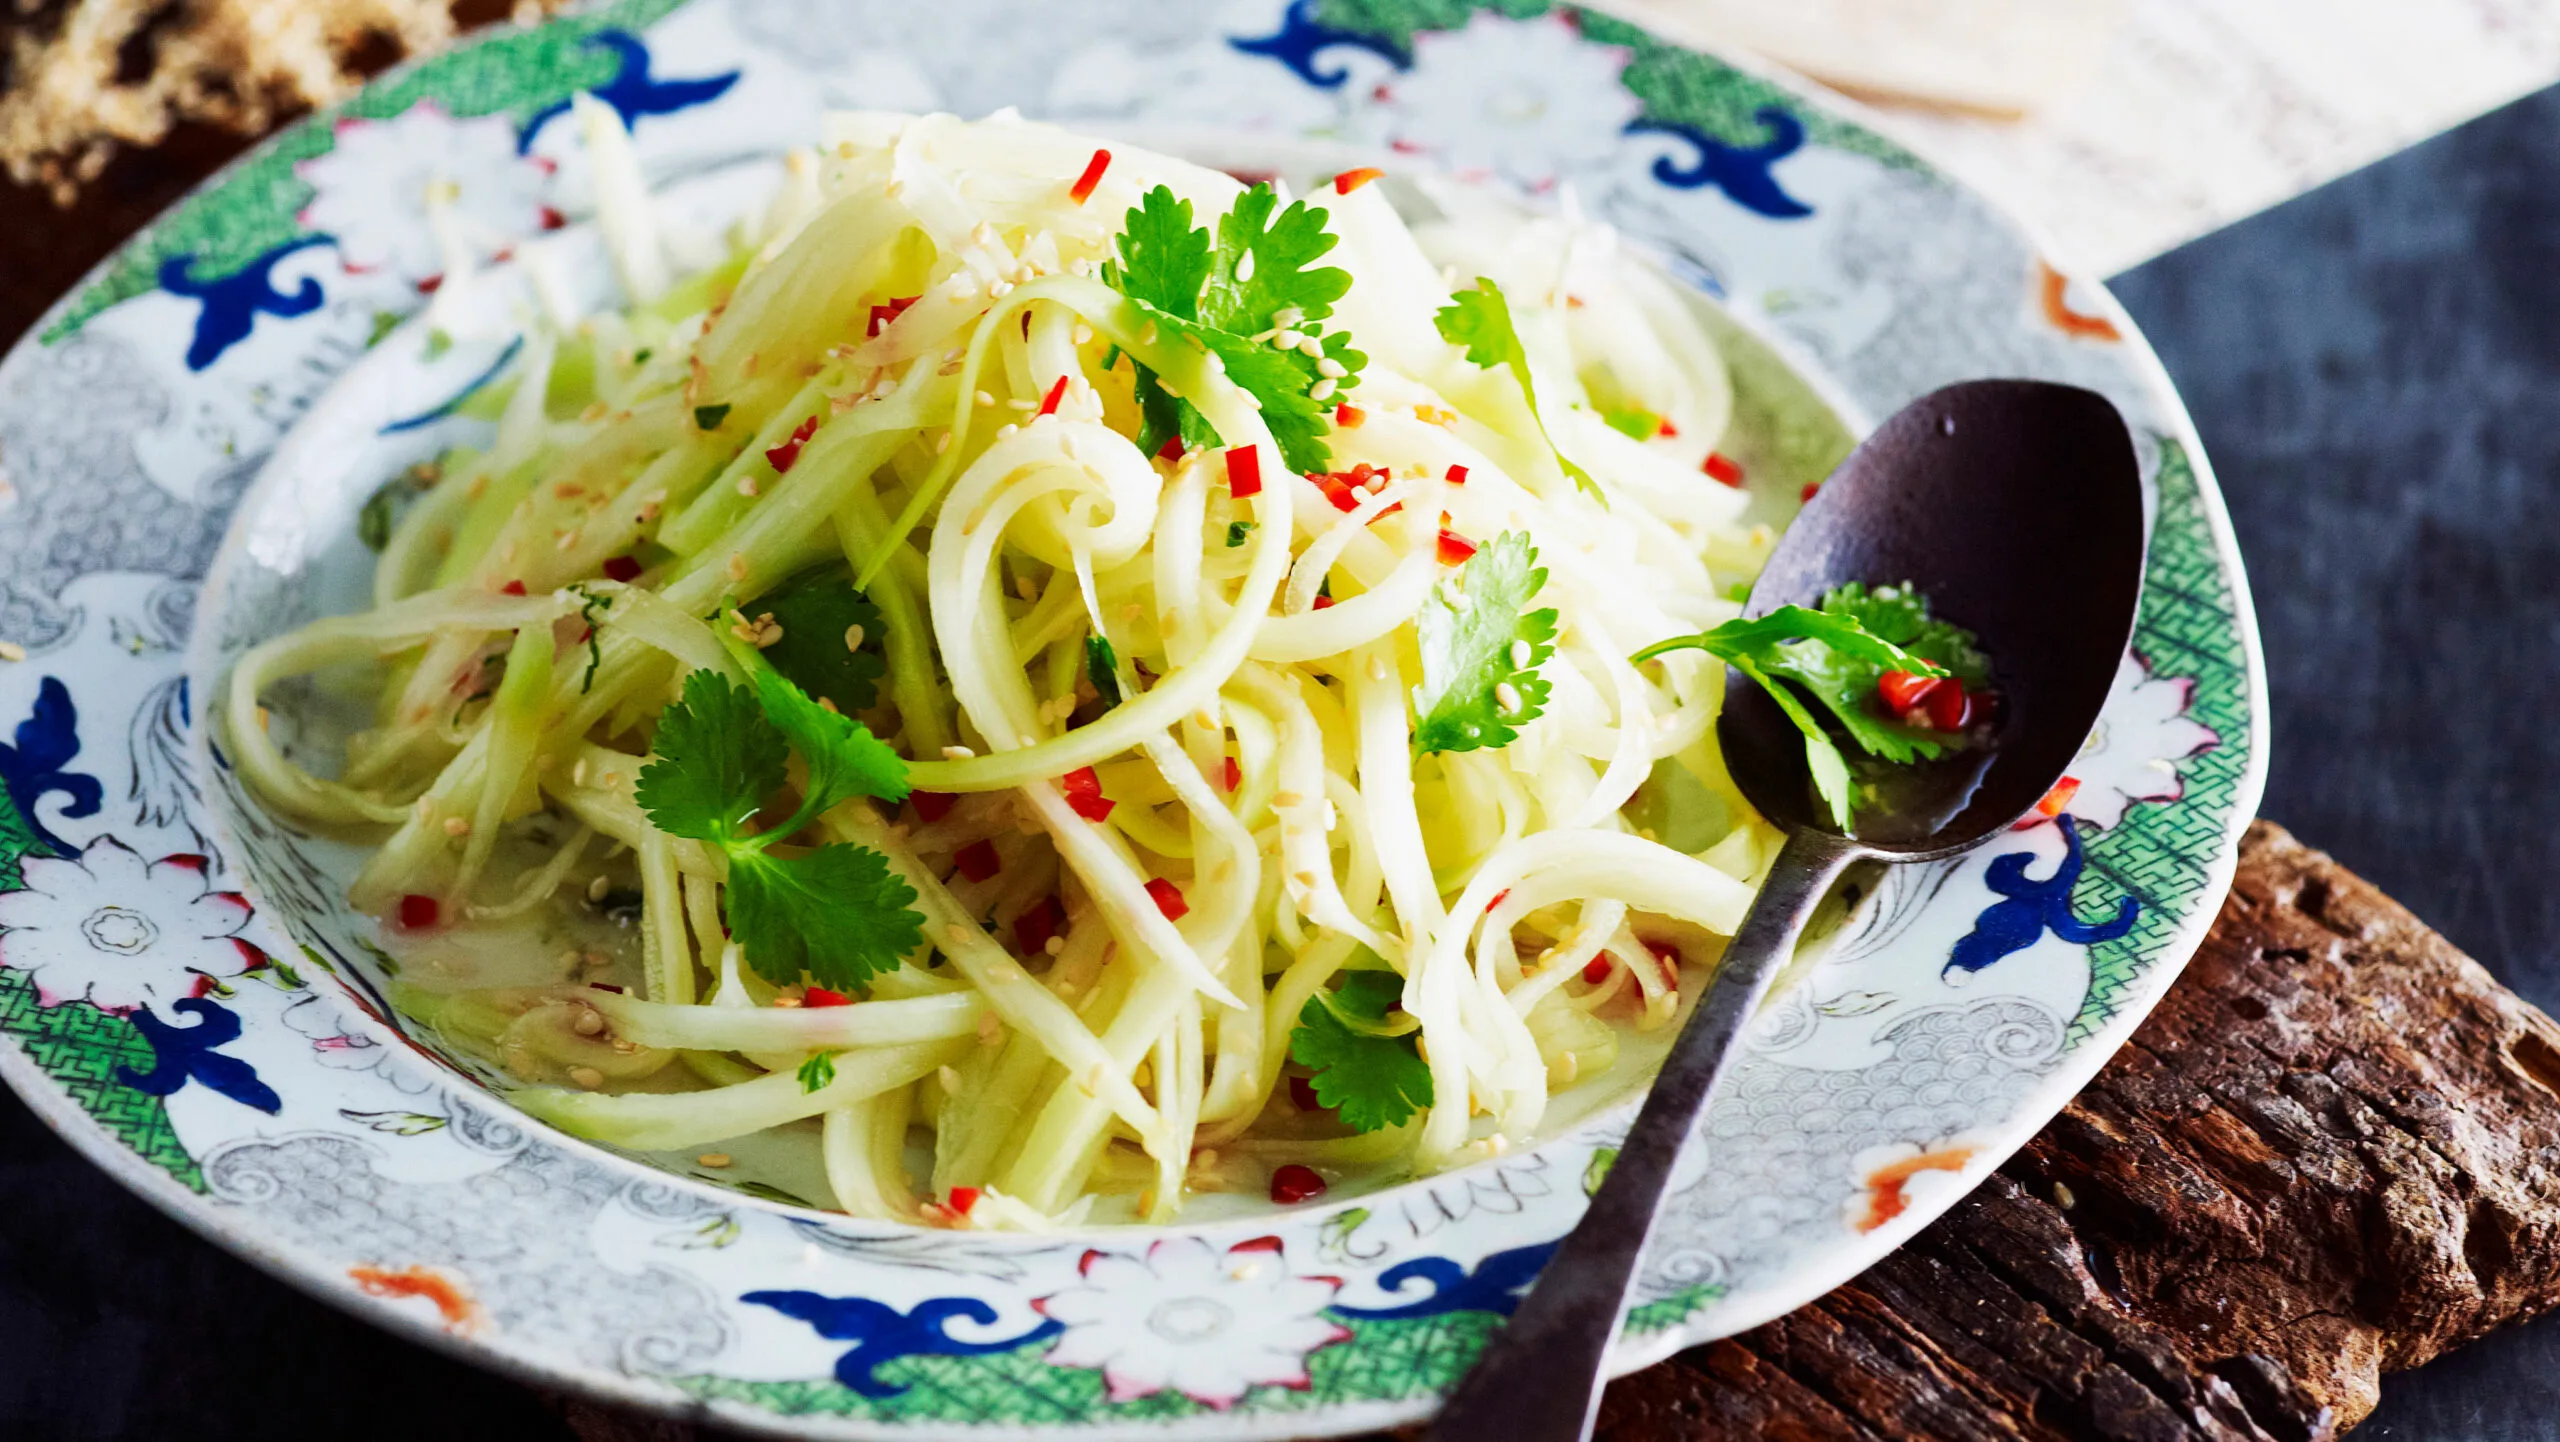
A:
x: 456, y: 826
x: 1054, y: 945
x: 853, y: 637
x: 588, y: 1023
x: 957, y: 753
x: 1506, y: 696
x: 1520, y: 653
x: 714, y: 1160
x: 586, y: 1076
x: 598, y: 887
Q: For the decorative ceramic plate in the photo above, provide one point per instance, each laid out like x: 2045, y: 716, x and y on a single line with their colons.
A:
x: 186, y: 999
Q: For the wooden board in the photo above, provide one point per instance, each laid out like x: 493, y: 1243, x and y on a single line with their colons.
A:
x: 2332, y: 1152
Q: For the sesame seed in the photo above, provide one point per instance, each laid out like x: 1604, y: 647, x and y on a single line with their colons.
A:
x: 1054, y: 945
x: 747, y: 487
x: 12, y: 651
x: 588, y: 1023
x: 1286, y: 798
x: 1323, y: 389
x: 853, y: 637
x: 714, y: 1160
x: 1520, y: 654
x: 985, y: 399
x: 586, y: 1076
x: 598, y: 887
x: 957, y: 753
x: 1506, y: 696
x: 1330, y: 368
x: 737, y: 567
x: 456, y: 826
x: 943, y: 444
x: 950, y: 1079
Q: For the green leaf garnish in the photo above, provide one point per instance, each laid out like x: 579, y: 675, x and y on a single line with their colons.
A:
x: 1367, y: 1069
x: 1634, y: 422
x: 1479, y: 320
x: 818, y: 1072
x: 817, y: 610
x: 1236, y: 533
x: 1832, y: 656
x: 1216, y: 294
x: 837, y: 912
x: 1467, y: 647
x: 1102, y: 668
x: 708, y: 418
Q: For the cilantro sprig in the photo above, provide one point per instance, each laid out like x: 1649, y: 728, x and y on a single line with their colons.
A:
x: 1479, y: 321
x: 1368, y: 1069
x: 1471, y: 651
x: 1834, y: 656
x: 817, y: 611
x: 837, y: 912
x: 1220, y: 293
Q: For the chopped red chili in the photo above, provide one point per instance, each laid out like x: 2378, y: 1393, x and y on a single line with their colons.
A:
x: 1302, y: 1093
x: 1170, y: 451
x: 962, y: 1199
x: 1807, y: 493
x: 1035, y: 925
x: 824, y: 996
x: 883, y: 316
x: 1950, y: 707
x: 418, y: 913
x: 1244, y: 471
x: 1295, y: 1183
x: 786, y: 455
x: 1457, y: 475
x: 1903, y: 690
x: 932, y: 806
x: 512, y: 588
x: 1347, y: 416
x: 1084, y: 794
x: 1351, y: 180
x: 1082, y: 190
x: 1724, y: 468
x: 1455, y: 549
x: 1168, y: 899
x: 978, y: 860
x: 1596, y: 970
x: 1057, y: 393
x: 621, y: 568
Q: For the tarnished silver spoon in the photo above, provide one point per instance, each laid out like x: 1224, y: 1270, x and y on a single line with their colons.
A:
x: 2016, y: 508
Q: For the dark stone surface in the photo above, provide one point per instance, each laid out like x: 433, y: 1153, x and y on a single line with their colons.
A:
x: 2376, y: 370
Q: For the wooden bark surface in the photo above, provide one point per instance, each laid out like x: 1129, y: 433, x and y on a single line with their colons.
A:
x: 2333, y: 1151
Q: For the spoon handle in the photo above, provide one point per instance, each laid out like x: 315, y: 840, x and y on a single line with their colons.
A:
x: 1540, y: 1378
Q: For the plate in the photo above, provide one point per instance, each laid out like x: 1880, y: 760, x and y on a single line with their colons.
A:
x: 182, y: 998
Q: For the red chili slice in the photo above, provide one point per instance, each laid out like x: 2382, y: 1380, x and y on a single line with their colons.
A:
x: 1057, y: 393
x: 1667, y: 430
x: 419, y: 913
x: 1321, y: 603
x: 1596, y: 970
x: 824, y: 996
x: 1168, y: 899
x: 1235, y: 774
x: 1302, y: 1093
x: 1037, y: 923
x: 2059, y: 798
x: 1455, y: 549
x: 1084, y: 794
x: 1347, y: 416
x: 1294, y: 1183
x: 1082, y: 190
x: 1950, y: 707
x: 1170, y: 451
x: 1808, y: 492
x: 1351, y: 180
x: 512, y: 588
x: 978, y: 860
x: 621, y: 568
x: 932, y: 806
x: 1903, y: 690
x: 1723, y: 468
x: 1457, y: 476
x: 883, y: 316
x: 1244, y: 472
x: 962, y: 1199
x: 783, y: 457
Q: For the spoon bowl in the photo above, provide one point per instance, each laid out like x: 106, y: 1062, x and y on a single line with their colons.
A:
x: 2015, y: 508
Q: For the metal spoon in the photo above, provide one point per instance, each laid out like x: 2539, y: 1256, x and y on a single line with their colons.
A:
x: 2016, y: 508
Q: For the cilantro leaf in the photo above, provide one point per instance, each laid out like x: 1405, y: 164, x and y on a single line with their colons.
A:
x: 1217, y: 294
x: 818, y: 1072
x: 837, y: 913
x: 1900, y: 614
x: 1164, y: 259
x: 1371, y: 1077
x: 1467, y: 648
x: 708, y: 418
x: 1479, y: 321
x: 843, y: 757
x: 1247, y: 298
x: 717, y: 759
x: 816, y: 610
x: 1102, y: 668
x: 1237, y: 531
x: 1835, y: 659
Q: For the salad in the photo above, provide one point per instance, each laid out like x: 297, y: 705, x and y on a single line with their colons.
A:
x: 1053, y: 681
